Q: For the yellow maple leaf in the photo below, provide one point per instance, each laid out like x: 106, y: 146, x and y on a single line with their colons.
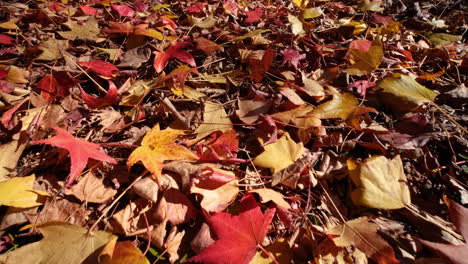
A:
x: 381, y: 183
x: 364, y: 62
x: 19, y: 192
x: 158, y: 146
x: 280, y: 154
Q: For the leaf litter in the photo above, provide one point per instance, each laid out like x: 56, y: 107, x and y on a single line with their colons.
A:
x: 233, y: 131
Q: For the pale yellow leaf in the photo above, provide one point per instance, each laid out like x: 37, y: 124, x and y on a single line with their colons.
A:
x: 17, y: 75
x: 11, y: 153
x: 19, y: 192
x: 296, y: 25
x: 407, y: 89
x: 280, y: 154
x: 207, y: 22
x: 62, y: 243
x: 440, y: 39
x: 380, y: 182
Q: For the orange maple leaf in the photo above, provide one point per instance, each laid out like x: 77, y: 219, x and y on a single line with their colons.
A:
x: 158, y: 146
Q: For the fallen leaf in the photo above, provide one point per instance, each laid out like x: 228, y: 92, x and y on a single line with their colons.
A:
x: 19, y: 192
x: 363, y: 234
x: 364, y: 62
x: 215, y: 119
x: 370, y: 5
x: 207, y: 45
x: 61, y: 241
x: 238, y: 235
x: 17, y: 75
x: 122, y: 252
x: 52, y: 49
x: 292, y: 56
x: 88, y: 30
x: 61, y: 210
x: 250, y: 110
x: 344, y: 106
x: 280, y: 154
x: 280, y: 250
x: 91, y: 189
x: 173, y: 242
x: 441, y: 39
x: 216, y: 196
x: 205, y: 23
x: 267, y: 195
x: 456, y: 254
x: 89, y: 10
x: 407, y: 89
x: 123, y: 10
x: 296, y: 26
x: 175, y: 208
x: 158, y: 146
x: 260, y: 67
x: 380, y: 182
x: 100, y: 67
x: 147, y: 188
x: 80, y: 152
x: 253, y: 16
x: 175, y: 51
x: 11, y: 153
x: 94, y: 102
x: 7, y: 40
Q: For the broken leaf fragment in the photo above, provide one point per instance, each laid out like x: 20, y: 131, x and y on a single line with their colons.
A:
x: 62, y: 241
x: 280, y: 154
x: 380, y: 182
x: 158, y: 146
x: 19, y: 192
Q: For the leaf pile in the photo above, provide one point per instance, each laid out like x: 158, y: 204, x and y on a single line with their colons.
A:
x: 233, y: 131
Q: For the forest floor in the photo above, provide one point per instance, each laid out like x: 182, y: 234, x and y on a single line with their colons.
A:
x: 233, y: 131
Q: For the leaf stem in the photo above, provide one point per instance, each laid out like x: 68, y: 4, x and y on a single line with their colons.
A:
x: 268, y: 254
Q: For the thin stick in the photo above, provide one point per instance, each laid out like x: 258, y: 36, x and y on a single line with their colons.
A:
x: 115, y: 202
x: 449, y: 117
x: 91, y: 78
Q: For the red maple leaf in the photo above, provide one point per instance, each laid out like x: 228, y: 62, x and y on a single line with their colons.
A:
x: 105, y: 69
x: 80, y: 152
x: 260, y: 67
x: 254, y: 15
x: 238, y: 235
x: 51, y: 88
x: 292, y: 56
x: 175, y: 51
x: 7, y: 40
x: 456, y: 254
x: 89, y: 10
x: 124, y: 10
x: 95, y: 102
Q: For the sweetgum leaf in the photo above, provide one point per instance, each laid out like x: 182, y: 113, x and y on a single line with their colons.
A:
x: 80, y: 151
x: 238, y: 235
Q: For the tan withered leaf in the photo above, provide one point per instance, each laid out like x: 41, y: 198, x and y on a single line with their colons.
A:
x: 87, y: 30
x: 362, y: 234
x: 364, y: 62
x: 280, y: 154
x: 51, y: 49
x: 122, y: 252
x: 62, y: 241
x: 11, y: 153
x: 158, y: 146
x: 216, y: 196
x: 380, y: 182
x: 91, y: 189
x: 215, y: 118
